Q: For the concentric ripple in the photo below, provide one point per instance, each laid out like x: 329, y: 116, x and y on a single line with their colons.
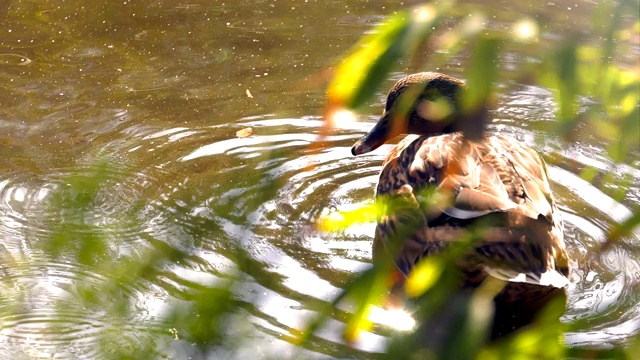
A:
x: 247, y: 207
x: 313, y: 182
x: 58, y: 305
x: 44, y: 315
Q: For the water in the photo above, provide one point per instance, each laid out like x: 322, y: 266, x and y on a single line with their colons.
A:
x: 140, y: 105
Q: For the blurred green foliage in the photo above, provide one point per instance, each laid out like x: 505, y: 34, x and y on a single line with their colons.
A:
x: 572, y: 68
x: 576, y: 71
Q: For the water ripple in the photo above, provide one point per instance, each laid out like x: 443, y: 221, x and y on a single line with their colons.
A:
x: 212, y: 196
x: 314, y: 183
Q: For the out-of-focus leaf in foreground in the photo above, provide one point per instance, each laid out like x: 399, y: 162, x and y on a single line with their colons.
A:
x: 358, y: 76
x: 423, y: 276
x: 589, y: 89
x: 624, y: 228
x: 480, y: 85
x: 340, y: 220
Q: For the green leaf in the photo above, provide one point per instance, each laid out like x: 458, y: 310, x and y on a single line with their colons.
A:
x: 566, y: 71
x: 359, y: 75
x: 367, y: 288
x: 340, y: 220
x: 624, y: 228
x: 482, y: 72
x: 423, y: 276
x: 369, y: 292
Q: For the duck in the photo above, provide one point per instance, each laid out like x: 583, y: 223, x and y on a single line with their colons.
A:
x: 486, y: 179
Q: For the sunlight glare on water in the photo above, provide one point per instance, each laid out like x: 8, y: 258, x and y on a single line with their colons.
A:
x: 395, y: 318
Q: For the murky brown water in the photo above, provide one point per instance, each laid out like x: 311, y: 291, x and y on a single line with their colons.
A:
x: 158, y: 89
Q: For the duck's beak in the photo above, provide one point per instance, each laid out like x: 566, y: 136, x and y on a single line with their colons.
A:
x: 376, y: 137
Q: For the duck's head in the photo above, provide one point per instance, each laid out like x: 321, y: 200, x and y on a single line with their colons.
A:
x: 422, y: 104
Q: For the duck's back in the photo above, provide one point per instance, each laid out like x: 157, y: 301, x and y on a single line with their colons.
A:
x: 495, y: 179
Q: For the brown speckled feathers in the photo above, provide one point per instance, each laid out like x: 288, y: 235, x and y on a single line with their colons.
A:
x: 493, y: 178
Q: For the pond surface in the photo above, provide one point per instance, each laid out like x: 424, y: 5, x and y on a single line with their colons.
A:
x: 142, y: 100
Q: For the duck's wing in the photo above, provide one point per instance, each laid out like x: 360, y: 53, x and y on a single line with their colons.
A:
x: 476, y: 178
x: 494, y: 176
